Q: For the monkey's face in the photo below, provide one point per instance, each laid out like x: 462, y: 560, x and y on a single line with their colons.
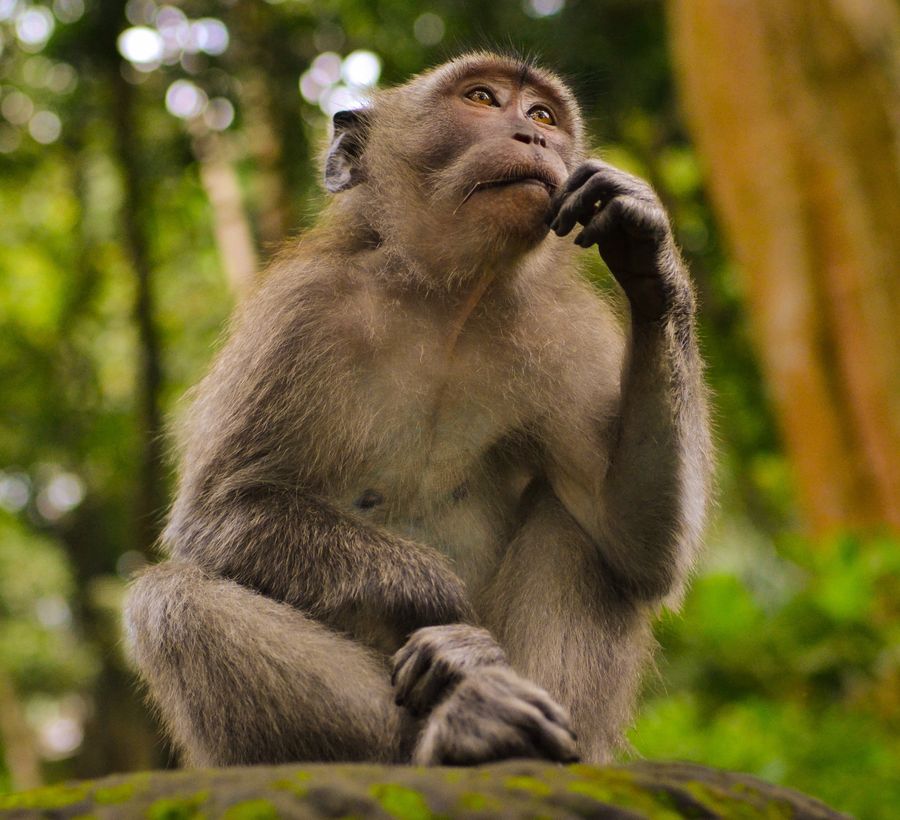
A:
x: 460, y: 163
x: 499, y: 153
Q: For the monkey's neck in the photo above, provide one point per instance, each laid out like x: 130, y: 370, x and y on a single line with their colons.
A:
x: 465, y: 311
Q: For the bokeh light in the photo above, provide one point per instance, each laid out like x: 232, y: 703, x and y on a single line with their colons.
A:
x: 68, y: 11
x: 219, y: 114
x: 209, y: 35
x: 140, y: 45
x: 17, y: 107
x: 336, y: 84
x: 45, y: 127
x: 185, y: 100
x: 428, y: 29
x: 361, y: 68
x: 34, y: 26
x: 543, y: 8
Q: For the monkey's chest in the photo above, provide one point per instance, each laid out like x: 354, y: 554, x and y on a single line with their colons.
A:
x: 431, y: 462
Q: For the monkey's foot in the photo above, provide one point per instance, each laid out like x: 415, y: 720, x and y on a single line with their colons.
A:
x: 493, y: 714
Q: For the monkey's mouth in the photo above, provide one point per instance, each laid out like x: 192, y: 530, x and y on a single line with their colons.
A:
x: 521, y: 179
x: 531, y: 178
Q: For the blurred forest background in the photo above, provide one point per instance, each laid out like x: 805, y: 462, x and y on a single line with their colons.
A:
x: 152, y: 157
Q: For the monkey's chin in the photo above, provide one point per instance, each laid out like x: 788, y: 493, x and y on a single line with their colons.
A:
x: 515, y: 210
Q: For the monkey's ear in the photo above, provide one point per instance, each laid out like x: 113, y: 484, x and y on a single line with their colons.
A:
x: 343, y: 162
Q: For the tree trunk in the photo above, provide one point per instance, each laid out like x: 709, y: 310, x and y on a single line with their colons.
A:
x: 17, y: 741
x: 231, y: 226
x: 795, y: 108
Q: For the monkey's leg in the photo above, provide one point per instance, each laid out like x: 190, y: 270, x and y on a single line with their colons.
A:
x: 564, y: 626
x: 239, y: 678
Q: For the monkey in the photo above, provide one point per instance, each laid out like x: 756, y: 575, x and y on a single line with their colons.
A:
x: 434, y: 487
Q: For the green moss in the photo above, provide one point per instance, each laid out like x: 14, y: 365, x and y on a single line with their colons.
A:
x: 624, y: 793
x: 401, y: 802
x: 115, y: 794
x: 294, y: 784
x: 252, y: 810
x: 49, y: 797
x: 474, y: 801
x: 528, y: 784
x: 178, y: 808
x: 596, y: 791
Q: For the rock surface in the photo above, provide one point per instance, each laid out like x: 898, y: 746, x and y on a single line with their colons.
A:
x: 514, y: 789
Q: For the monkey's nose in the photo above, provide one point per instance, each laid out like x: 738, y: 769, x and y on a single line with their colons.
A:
x: 537, y: 139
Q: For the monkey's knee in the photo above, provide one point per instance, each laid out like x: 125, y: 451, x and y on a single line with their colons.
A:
x: 156, y: 607
x: 239, y: 678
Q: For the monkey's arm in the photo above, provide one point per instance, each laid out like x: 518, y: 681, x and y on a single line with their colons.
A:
x: 297, y: 548
x: 645, y: 504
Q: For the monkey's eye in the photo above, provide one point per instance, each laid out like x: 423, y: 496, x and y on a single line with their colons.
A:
x: 542, y: 115
x: 481, y: 96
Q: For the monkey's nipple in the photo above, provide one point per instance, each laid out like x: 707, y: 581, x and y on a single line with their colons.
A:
x: 369, y: 499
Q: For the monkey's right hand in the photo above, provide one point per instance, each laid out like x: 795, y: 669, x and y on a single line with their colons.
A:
x: 435, y: 659
x: 494, y: 714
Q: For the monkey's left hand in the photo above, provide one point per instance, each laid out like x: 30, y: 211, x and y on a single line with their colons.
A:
x: 435, y: 658
x: 622, y: 215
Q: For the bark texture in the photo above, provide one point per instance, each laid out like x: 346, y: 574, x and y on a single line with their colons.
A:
x: 795, y: 108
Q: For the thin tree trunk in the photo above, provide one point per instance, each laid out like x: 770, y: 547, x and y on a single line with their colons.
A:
x: 17, y: 742
x: 151, y: 493
x: 230, y: 223
x: 795, y: 107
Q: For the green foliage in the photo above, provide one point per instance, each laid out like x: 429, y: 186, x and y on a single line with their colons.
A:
x: 801, y: 686
x: 39, y: 647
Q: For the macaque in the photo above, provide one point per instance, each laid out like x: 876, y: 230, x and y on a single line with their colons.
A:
x: 433, y: 490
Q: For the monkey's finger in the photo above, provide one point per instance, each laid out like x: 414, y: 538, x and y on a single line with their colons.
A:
x: 550, y: 740
x: 399, y: 660
x: 554, y: 713
x: 410, y: 673
x: 638, y: 217
x: 590, y: 184
x: 587, y: 201
x: 578, y: 177
x: 431, y: 688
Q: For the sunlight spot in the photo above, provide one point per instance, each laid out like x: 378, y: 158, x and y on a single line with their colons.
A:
x: 543, y: 8
x: 15, y: 488
x: 17, y: 108
x: 68, y: 11
x: 140, y: 45
x: 341, y: 98
x: 210, y: 35
x: 34, y: 26
x: 361, y: 69
x: 45, y: 127
x: 429, y: 29
x: 219, y: 114
x: 185, y: 100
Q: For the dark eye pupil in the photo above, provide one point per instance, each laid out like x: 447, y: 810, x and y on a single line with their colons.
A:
x: 480, y: 95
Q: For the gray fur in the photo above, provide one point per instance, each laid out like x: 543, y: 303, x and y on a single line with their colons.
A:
x: 428, y: 438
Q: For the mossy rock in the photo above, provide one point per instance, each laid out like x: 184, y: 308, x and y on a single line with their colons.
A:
x: 526, y: 789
